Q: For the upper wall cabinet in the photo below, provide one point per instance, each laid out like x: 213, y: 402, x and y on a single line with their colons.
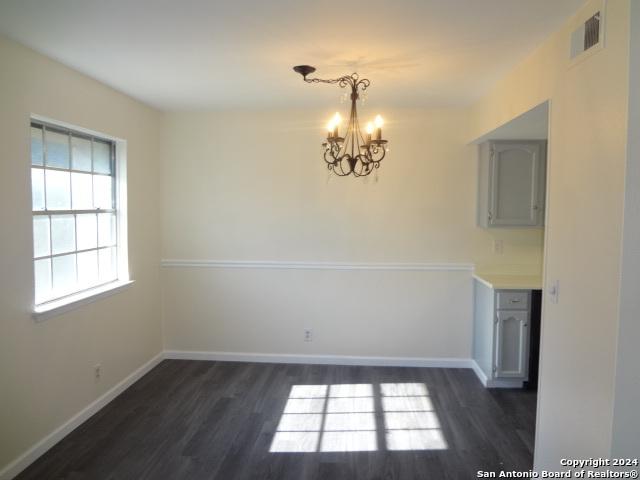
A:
x: 511, y: 188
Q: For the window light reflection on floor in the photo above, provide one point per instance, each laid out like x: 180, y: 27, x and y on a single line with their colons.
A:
x: 342, y: 418
x: 411, y: 422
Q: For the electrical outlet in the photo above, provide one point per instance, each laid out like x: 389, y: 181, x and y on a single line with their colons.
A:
x: 97, y: 371
x: 308, y: 335
x: 498, y: 247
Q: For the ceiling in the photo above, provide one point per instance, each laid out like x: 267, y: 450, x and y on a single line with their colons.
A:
x: 197, y: 54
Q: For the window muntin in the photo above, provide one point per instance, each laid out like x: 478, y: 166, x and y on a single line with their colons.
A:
x: 75, y: 215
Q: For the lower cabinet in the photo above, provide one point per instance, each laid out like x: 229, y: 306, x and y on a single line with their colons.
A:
x: 501, y: 335
x: 511, y: 344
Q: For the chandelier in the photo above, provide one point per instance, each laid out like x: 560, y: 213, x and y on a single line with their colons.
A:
x: 354, y: 153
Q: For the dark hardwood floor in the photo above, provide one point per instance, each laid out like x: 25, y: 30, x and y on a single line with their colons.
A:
x: 223, y: 420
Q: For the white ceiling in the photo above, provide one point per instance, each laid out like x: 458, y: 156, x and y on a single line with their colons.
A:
x: 185, y: 54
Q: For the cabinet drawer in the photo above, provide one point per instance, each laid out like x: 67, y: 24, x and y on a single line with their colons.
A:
x: 513, y: 300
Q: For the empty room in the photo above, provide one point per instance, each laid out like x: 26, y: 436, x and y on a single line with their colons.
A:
x: 319, y: 239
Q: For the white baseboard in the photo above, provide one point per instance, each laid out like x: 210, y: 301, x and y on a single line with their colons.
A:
x: 504, y: 384
x: 320, y: 359
x: 479, y: 373
x: 31, y: 455
x: 491, y: 383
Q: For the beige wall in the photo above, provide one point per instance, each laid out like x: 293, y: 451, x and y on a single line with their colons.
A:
x: 407, y: 314
x: 626, y: 422
x: 252, y: 186
x: 585, y: 198
x: 46, y: 369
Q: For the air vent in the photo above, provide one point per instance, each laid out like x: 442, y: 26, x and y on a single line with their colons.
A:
x: 592, y: 31
x: 587, y: 36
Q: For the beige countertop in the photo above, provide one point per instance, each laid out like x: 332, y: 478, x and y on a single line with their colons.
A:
x: 510, y: 282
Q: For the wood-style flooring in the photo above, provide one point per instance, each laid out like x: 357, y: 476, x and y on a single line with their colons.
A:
x: 227, y: 420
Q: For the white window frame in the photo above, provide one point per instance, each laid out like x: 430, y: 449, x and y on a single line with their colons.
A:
x: 55, y: 307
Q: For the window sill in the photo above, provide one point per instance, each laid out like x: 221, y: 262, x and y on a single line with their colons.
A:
x: 58, y: 307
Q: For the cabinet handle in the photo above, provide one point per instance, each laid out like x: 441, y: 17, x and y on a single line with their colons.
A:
x: 515, y: 300
x: 526, y: 324
x: 535, y: 207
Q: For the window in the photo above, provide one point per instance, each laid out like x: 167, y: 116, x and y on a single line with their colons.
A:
x: 76, y: 213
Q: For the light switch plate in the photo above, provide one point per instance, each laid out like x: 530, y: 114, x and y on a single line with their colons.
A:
x: 554, y: 291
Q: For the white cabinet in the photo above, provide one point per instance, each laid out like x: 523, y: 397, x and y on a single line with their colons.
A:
x: 501, y: 335
x: 511, y: 183
x: 511, y: 344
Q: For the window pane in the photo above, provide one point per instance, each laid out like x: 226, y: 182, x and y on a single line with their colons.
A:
x: 64, y: 274
x: 37, y: 188
x: 87, y: 269
x: 107, y: 264
x: 57, y: 149
x: 40, y: 236
x: 36, y: 146
x: 42, y: 270
x: 80, y: 154
x: 87, y: 230
x: 101, y: 157
x: 58, y: 190
x: 106, y: 229
x: 63, y: 234
x: 102, y: 192
x: 81, y: 191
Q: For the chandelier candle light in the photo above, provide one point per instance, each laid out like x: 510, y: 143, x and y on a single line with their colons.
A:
x: 354, y: 153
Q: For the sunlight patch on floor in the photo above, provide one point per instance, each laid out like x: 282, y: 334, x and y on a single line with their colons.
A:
x: 411, y: 422
x: 342, y: 418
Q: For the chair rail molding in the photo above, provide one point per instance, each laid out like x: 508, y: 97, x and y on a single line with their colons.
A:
x: 300, y: 265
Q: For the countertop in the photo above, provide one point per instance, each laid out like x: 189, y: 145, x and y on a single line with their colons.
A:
x: 510, y: 282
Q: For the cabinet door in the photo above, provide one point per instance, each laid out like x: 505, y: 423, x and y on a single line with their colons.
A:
x: 515, y: 176
x: 512, y: 344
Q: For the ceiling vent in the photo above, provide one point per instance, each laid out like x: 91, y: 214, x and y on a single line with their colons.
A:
x: 587, y: 36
